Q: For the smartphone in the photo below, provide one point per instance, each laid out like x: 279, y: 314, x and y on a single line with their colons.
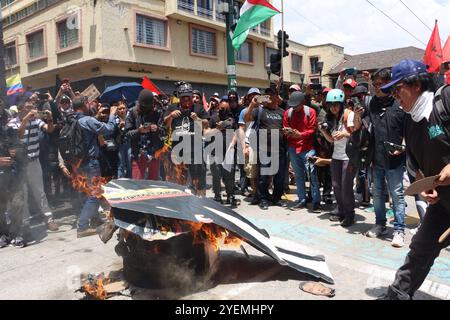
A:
x: 263, y: 99
x: 287, y: 130
x: 41, y: 115
x: 43, y: 96
x: 66, y: 81
x: 351, y: 71
x: 447, y: 65
x: 312, y: 159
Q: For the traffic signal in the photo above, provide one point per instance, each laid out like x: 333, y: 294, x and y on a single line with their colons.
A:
x: 283, y: 43
x: 275, y: 63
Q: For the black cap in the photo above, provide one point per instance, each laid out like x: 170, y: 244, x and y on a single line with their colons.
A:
x: 359, y: 90
x: 77, y: 103
x: 146, y: 98
x: 197, y: 93
x: 185, y: 90
x: 269, y: 91
x: 296, y: 99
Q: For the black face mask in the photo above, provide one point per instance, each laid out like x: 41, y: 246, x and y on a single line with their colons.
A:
x: 147, y: 110
x: 223, y: 114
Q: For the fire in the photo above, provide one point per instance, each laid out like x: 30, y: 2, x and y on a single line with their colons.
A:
x: 92, y: 187
x: 213, y: 234
x: 95, y: 287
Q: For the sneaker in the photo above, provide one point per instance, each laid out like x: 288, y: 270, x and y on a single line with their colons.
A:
x: 4, y: 241
x: 414, y: 231
x: 347, y: 222
x: 299, y: 205
x: 18, y: 242
x: 232, y: 201
x: 218, y: 199
x: 52, y: 226
x: 376, y: 232
x: 255, y: 201
x: 86, y: 233
x: 399, y: 240
x: 264, y: 205
x: 316, y: 208
x: 335, y: 218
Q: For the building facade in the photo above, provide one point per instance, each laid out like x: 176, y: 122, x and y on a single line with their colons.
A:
x: 108, y: 41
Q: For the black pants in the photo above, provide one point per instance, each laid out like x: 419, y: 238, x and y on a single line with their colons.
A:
x: 15, y: 199
x: 424, y: 249
x: 218, y: 174
x: 324, y: 175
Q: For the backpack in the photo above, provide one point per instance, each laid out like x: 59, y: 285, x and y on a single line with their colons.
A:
x: 359, y: 148
x: 71, y: 144
x: 439, y: 104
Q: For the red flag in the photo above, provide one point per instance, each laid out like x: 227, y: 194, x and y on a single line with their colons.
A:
x: 446, y: 50
x: 205, y: 103
x: 147, y: 84
x: 433, y: 53
x: 446, y: 55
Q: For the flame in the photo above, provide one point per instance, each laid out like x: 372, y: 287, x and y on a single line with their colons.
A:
x: 92, y: 187
x: 94, y: 287
x: 213, y: 234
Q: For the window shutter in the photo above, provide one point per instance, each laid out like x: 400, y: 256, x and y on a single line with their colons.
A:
x: 150, y: 31
x: 203, y: 42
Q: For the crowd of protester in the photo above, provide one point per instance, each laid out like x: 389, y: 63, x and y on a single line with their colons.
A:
x: 349, y: 140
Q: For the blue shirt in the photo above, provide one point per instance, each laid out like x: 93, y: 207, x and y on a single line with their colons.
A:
x: 241, y: 116
x: 92, y: 128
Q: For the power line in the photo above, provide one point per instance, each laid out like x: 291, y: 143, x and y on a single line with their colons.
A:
x: 314, y: 24
x: 396, y: 23
x: 416, y: 16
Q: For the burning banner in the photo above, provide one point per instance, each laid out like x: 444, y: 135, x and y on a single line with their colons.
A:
x: 155, y: 210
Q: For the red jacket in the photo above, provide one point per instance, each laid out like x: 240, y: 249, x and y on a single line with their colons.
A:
x: 299, y: 121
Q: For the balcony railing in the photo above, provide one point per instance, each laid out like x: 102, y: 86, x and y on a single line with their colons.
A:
x: 213, y: 14
x: 186, y: 5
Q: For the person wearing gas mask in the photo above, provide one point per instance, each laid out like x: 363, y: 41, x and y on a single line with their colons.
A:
x: 182, y: 121
x: 144, y: 129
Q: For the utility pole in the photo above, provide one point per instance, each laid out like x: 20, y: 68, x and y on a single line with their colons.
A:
x: 2, y: 63
x: 231, y: 60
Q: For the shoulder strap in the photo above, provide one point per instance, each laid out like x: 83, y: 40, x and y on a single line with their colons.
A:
x: 439, y: 103
x: 307, y: 112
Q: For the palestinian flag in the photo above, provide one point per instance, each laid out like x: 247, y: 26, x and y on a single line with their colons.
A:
x: 253, y: 12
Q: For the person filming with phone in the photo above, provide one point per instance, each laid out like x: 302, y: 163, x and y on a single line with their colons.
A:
x: 299, y: 126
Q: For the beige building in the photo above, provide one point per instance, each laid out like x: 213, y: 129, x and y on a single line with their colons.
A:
x: 107, y: 41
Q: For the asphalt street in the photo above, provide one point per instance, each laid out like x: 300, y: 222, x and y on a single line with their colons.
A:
x: 362, y: 268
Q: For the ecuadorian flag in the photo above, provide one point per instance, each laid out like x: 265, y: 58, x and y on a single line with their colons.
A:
x: 14, y: 85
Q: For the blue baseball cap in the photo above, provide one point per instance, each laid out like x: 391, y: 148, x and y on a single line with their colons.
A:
x: 404, y: 69
x: 253, y: 90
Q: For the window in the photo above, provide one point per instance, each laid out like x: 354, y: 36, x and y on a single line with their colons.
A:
x: 67, y: 36
x: 4, y: 3
x: 269, y: 52
x: 10, y: 54
x: 245, y: 54
x: 296, y: 62
x: 151, y: 31
x: 220, y: 16
x: 314, y: 62
x: 265, y: 28
x: 205, y: 8
x: 203, y: 42
x: 187, y: 5
x: 35, y: 43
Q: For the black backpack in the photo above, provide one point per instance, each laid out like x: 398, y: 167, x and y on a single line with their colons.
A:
x: 359, y: 147
x: 71, y: 144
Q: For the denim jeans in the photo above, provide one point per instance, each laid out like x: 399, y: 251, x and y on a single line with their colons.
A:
x: 394, y: 180
x: 90, y: 209
x: 278, y: 180
x: 124, y: 170
x: 301, y: 167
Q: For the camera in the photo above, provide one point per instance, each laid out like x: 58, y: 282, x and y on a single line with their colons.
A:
x: 263, y: 99
x: 312, y: 160
x: 41, y: 115
x: 323, y: 126
x: 356, y: 103
x: 392, y: 147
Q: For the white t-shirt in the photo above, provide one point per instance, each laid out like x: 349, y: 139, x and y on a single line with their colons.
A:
x: 340, y: 145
